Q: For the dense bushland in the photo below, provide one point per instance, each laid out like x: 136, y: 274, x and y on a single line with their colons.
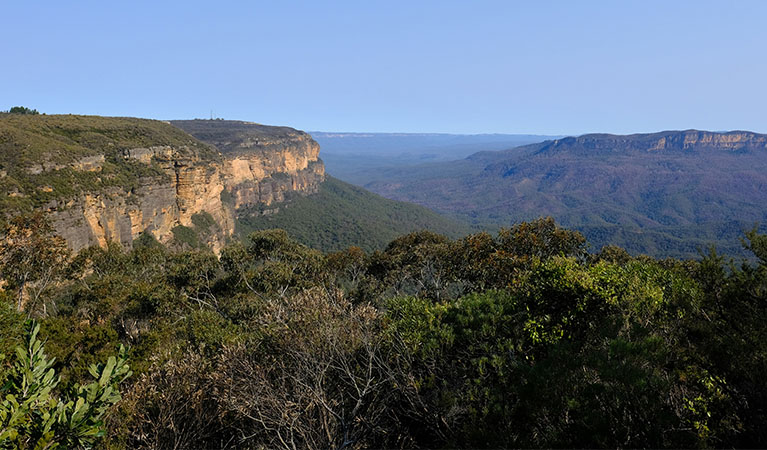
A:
x: 341, y: 215
x: 521, y: 339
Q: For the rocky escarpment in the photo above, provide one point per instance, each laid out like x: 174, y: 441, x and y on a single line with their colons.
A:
x: 190, y: 186
x: 101, y: 179
x: 262, y: 163
x: 688, y: 140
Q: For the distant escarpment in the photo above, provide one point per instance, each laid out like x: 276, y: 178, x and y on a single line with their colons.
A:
x: 665, y: 194
x: 107, y: 179
x: 689, y: 141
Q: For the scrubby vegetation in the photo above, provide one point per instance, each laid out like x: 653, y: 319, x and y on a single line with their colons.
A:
x: 234, y: 136
x: 521, y: 339
x: 22, y: 110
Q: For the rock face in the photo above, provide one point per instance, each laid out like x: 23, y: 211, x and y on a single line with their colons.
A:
x: 262, y: 163
x: 262, y: 168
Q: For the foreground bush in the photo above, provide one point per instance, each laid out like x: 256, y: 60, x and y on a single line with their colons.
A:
x: 515, y: 340
x: 33, y: 413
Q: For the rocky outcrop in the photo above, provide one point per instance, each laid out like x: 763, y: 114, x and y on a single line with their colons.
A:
x: 261, y: 169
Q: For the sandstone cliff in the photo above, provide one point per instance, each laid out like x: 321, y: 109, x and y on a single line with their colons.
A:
x: 262, y: 163
x: 114, y: 190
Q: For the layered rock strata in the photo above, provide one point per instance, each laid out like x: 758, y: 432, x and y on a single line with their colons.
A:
x: 264, y: 169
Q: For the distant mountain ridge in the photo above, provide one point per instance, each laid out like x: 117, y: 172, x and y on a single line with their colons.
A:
x: 663, y: 193
x: 640, y: 142
x: 664, y: 140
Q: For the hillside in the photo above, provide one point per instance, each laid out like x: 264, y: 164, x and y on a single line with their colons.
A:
x: 665, y: 194
x: 341, y: 215
x: 104, y: 179
x: 58, y: 157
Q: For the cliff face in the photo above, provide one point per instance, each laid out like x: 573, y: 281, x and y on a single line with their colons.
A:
x: 262, y: 168
x: 168, y: 186
x: 688, y: 141
x: 262, y: 164
x: 157, y: 205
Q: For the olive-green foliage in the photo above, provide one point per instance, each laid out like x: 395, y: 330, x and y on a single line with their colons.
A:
x: 31, y: 257
x: 186, y: 236
x: 518, y: 339
x: 203, y: 221
x: 146, y: 240
x: 569, y: 356
x: 32, y: 415
x: 728, y: 328
x: 11, y: 325
x: 194, y: 237
x: 270, y: 262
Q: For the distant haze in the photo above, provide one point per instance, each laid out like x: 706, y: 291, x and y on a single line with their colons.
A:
x: 352, y: 156
x: 453, y: 146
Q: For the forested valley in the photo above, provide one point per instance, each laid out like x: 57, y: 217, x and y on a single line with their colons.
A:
x: 519, y: 339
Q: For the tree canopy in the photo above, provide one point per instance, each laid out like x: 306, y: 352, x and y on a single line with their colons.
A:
x: 22, y: 110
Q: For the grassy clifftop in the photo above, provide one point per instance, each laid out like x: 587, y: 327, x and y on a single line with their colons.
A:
x: 235, y: 136
x: 45, y: 158
x: 29, y: 140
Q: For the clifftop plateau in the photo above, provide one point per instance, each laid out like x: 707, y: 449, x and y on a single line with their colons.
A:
x: 238, y: 137
x: 110, y: 179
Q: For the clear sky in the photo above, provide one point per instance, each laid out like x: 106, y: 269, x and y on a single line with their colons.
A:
x: 547, y: 67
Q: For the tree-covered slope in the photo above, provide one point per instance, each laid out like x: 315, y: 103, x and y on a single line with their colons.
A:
x: 342, y: 215
x: 664, y: 194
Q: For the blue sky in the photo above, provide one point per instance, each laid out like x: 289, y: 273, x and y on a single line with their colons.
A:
x: 546, y: 67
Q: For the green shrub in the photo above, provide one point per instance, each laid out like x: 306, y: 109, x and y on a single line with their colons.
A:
x: 33, y: 414
x: 203, y: 222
